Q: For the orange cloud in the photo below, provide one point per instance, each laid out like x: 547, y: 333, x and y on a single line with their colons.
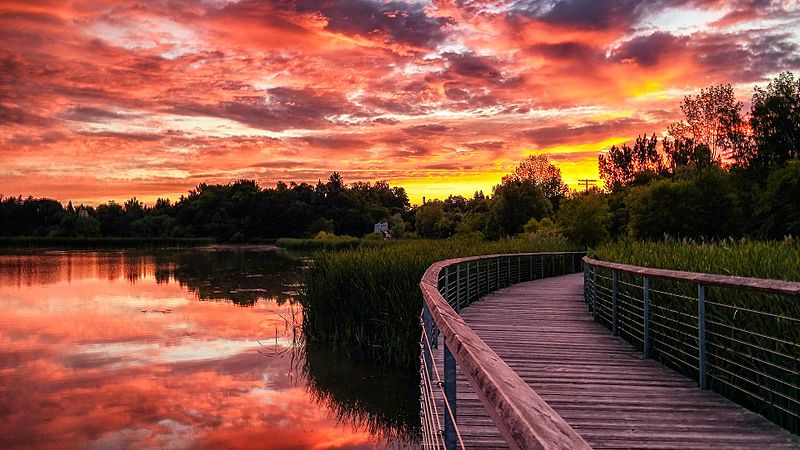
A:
x: 105, y: 100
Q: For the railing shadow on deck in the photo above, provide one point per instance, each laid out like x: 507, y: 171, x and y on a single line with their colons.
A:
x: 737, y: 336
x: 523, y: 419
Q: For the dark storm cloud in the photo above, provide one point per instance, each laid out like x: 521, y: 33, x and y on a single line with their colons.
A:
x: 89, y: 114
x: 427, y: 129
x: 583, y: 14
x: 573, y: 52
x: 401, y: 22
x: 647, y: 51
x: 284, y: 108
x: 564, y: 133
x: 747, y: 58
x: 335, y: 142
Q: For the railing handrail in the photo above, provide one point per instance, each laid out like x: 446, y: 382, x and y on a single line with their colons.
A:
x: 523, y: 418
x: 791, y: 288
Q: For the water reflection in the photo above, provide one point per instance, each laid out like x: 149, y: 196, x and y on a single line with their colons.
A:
x: 384, y: 402
x: 114, y: 350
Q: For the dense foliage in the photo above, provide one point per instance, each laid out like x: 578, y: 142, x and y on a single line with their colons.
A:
x: 368, y: 299
x: 713, y: 178
x: 238, y: 211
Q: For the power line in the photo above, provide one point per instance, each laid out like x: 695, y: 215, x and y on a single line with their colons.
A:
x: 585, y: 182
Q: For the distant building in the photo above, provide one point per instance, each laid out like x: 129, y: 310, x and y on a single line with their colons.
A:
x: 382, y: 228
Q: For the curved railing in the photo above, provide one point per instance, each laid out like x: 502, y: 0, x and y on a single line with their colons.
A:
x: 735, y: 335
x: 522, y: 417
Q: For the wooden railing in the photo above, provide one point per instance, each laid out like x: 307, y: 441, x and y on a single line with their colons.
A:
x: 524, y: 420
x: 738, y: 336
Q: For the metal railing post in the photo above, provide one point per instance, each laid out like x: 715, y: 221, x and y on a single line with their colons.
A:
x: 614, y: 318
x: 508, y: 271
x: 531, y: 259
x: 447, y: 284
x: 458, y: 287
x: 478, y: 278
x: 646, y: 316
x: 542, y: 261
x: 497, y: 279
x: 427, y: 324
x: 586, y: 286
x: 519, y: 269
x: 594, y: 293
x: 701, y: 319
x: 469, y: 297
x: 450, y: 394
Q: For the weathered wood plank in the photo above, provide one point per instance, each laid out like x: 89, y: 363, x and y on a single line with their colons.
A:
x: 598, y: 384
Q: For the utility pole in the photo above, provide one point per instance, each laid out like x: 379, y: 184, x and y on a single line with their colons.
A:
x: 585, y: 182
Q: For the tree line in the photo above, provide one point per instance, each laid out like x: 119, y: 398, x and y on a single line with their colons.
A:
x: 717, y: 173
x: 236, y: 212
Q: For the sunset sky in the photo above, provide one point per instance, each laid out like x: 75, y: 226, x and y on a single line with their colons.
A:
x: 107, y: 99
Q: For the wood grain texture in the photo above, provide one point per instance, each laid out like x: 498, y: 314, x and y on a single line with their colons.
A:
x: 598, y: 383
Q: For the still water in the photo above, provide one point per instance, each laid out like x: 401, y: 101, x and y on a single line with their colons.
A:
x: 179, y: 349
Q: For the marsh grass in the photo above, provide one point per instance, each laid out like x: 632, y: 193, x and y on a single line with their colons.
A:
x: 366, y: 301
x: 329, y: 243
x: 752, y: 338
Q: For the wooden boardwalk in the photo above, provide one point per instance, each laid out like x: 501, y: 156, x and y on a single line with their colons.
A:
x: 598, y: 383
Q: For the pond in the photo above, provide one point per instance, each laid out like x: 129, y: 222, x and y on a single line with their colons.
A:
x: 193, y: 348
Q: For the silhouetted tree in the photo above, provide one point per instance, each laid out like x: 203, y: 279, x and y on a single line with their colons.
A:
x: 711, y: 119
x: 620, y: 165
x: 775, y: 125
x: 542, y: 173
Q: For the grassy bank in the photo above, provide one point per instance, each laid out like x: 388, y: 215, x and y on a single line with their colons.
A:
x: 334, y: 243
x: 775, y: 260
x: 101, y: 242
x: 367, y: 300
x: 752, y: 339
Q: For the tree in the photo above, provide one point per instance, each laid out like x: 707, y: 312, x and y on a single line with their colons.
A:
x: 780, y: 203
x: 705, y: 206
x: 431, y: 221
x: 712, y: 119
x: 775, y: 124
x: 585, y: 218
x: 683, y: 152
x: 620, y: 165
x: 514, y: 203
x: 543, y: 174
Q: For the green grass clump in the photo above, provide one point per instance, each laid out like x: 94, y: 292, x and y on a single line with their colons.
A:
x: 367, y: 300
x: 746, y: 258
x: 752, y: 338
x: 328, y: 241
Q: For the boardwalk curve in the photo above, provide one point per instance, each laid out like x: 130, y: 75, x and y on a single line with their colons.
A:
x: 600, y: 386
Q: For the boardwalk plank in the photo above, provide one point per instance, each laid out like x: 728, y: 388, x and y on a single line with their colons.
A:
x: 598, y: 383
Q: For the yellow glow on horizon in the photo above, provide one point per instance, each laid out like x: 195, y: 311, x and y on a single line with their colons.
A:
x: 445, y: 186
x: 580, y: 148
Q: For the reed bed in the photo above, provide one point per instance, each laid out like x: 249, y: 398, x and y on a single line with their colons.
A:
x: 331, y: 244
x: 752, y: 338
x: 367, y: 301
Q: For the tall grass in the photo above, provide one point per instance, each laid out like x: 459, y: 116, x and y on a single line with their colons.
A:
x: 328, y: 243
x: 367, y: 300
x: 752, y: 338
x: 774, y: 260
